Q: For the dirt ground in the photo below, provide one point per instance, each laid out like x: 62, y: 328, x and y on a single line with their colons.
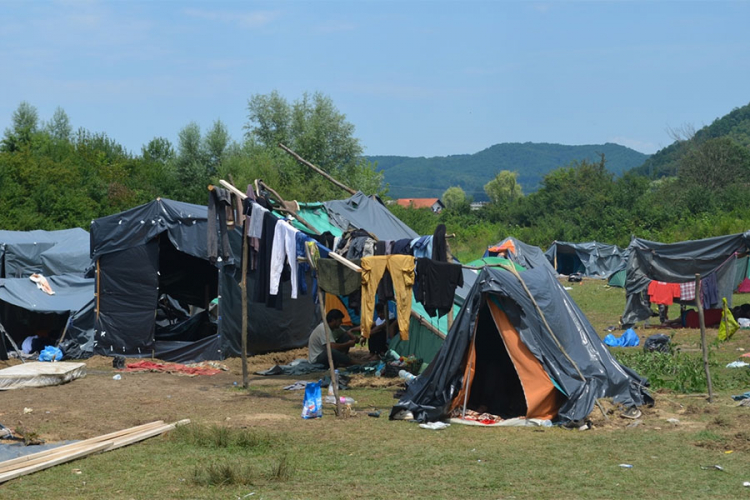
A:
x: 97, y: 404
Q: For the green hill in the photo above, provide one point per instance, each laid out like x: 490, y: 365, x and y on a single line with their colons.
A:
x: 665, y: 162
x: 430, y: 177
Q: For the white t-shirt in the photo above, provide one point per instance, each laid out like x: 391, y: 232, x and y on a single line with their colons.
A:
x: 317, y: 343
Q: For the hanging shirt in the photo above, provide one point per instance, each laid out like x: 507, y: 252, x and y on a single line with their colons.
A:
x: 437, y: 285
x: 663, y: 293
x: 284, y: 249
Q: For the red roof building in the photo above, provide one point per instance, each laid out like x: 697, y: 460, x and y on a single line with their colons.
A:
x: 433, y: 204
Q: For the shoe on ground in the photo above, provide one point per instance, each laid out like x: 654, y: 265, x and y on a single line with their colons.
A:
x: 632, y: 413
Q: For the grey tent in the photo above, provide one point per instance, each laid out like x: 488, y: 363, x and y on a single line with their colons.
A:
x: 25, y: 310
x: 47, y: 252
x: 592, y: 259
x: 679, y: 263
x: 523, y: 254
x: 513, y: 365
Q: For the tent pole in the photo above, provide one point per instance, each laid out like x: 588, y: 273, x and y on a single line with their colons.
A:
x: 65, y: 330
x: 12, y: 343
x: 318, y: 170
x: 243, y: 288
x: 704, y: 347
x: 471, y: 367
x: 331, y: 368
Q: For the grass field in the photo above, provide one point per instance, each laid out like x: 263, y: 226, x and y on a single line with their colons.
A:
x: 287, y: 457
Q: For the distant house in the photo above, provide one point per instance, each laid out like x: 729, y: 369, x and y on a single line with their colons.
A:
x: 433, y: 204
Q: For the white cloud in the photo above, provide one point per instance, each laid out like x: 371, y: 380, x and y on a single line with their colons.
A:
x: 254, y: 19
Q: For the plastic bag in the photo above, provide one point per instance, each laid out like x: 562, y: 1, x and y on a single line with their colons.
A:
x: 50, y: 353
x: 728, y: 324
x: 658, y: 342
x: 312, y: 407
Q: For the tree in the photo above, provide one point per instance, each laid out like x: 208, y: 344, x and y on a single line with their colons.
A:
x: 454, y: 197
x: 713, y: 164
x: 190, y: 166
x: 315, y: 129
x: 504, y: 187
x: 25, y: 121
x: 215, y: 143
x: 159, y: 150
x: 59, y: 127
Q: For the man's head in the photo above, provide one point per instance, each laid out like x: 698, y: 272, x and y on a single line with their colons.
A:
x: 334, y: 318
x: 380, y: 310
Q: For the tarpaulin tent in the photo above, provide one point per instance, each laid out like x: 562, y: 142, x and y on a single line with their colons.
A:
x: 679, y: 263
x: 520, y: 368
x: 592, y: 259
x: 521, y: 253
x: 47, y: 252
x: 25, y: 309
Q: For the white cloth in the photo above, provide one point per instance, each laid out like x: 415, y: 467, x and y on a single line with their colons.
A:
x: 26, y: 346
x: 256, y: 221
x: 284, y: 247
x: 317, y: 343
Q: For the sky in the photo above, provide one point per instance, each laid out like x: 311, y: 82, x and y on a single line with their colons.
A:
x: 415, y: 78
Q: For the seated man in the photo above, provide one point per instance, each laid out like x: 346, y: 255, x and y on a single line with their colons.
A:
x: 379, y: 337
x: 341, y: 342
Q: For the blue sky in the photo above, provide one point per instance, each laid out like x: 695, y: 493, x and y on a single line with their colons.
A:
x: 416, y: 78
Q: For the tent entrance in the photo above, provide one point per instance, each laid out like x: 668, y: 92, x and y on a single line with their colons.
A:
x: 569, y: 263
x: 21, y: 323
x: 505, y: 378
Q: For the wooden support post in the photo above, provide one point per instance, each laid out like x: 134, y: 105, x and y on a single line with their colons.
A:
x: 704, y: 347
x: 12, y: 343
x: 316, y: 169
x: 65, y: 330
x: 332, y: 369
x: 243, y: 289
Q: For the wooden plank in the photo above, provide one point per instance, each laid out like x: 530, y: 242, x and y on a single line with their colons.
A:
x: 55, y: 461
x: 12, y: 463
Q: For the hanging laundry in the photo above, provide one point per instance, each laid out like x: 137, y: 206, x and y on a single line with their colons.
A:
x: 401, y: 268
x: 422, y: 246
x: 687, y: 290
x: 284, y: 249
x: 664, y: 293
x: 336, y: 278
x: 437, y: 285
x: 262, y: 285
x: 219, y: 206
x: 401, y: 247
x: 709, y: 291
x: 439, y: 245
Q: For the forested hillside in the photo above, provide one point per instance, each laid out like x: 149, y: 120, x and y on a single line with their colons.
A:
x: 665, y: 163
x: 472, y: 171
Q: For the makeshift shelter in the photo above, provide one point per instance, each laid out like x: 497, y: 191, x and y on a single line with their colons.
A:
x: 23, y: 253
x: 715, y: 258
x: 592, y: 259
x: 25, y: 310
x: 501, y: 356
x: 523, y: 254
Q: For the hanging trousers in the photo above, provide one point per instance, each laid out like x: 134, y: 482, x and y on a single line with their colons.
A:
x: 401, y: 269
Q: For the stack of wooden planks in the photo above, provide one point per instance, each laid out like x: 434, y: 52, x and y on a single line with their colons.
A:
x: 11, y: 469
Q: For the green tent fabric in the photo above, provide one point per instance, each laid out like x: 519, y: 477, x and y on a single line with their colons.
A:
x: 423, y: 343
x: 618, y: 279
x: 495, y: 261
x: 315, y: 214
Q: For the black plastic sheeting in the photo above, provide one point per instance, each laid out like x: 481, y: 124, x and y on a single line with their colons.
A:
x: 431, y: 394
x: 592, y: 259
x: 370, y: 214
x: 678, y: 263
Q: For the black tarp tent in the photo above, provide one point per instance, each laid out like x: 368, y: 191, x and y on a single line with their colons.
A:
x: 592, y: 258
x: 431, y: 396
x: 679, y: 263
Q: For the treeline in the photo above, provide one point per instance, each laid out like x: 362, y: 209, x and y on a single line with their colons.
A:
x: 583, y: 202
x: 54, y: 177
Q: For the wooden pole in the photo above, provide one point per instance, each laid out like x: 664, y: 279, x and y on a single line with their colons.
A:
x: 332, y: 369
x: 243, y: 289
x: 65, y: 330
x: 317, y: 169
x: 704, y: 347
x: 12, y: 343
